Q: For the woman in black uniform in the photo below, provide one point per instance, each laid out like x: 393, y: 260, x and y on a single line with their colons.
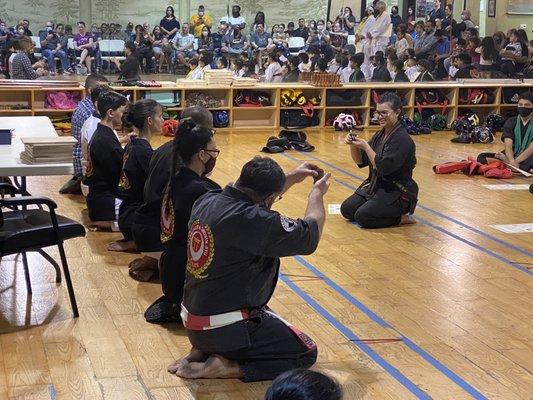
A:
x: 146, y: 117
x: 389, y: 195
x: 104, y: 162
x: 195, y: 149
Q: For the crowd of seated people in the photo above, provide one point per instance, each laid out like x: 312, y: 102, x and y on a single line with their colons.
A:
x: 438, y: 48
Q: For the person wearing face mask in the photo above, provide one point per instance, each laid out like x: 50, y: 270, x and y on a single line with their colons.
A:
x: 200, y: 20
x: 517, y: 137
x: 389, y: 195
x: 194, y: 156
x: 51, y: 48
x: 236, y: 20
x: 234, y: 247
x: 381, y: 30
x: 395, y: 18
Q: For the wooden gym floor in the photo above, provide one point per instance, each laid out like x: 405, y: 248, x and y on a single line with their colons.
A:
x: 441, y: 309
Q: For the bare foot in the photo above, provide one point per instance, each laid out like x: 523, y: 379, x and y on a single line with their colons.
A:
x: 194, y: 355
x: 407, y: 220
x: 144, y: 269
x: 214, y: 367
x: 122, y: 245
x: 100, y: 226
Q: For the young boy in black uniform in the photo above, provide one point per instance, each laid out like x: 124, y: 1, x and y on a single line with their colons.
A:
x: 146, y: 225
x: 146, y: 117
x: 104, y: 162
x: 235, y: 242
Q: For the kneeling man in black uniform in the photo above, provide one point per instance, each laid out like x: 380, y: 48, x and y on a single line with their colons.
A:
x: 234, y: 245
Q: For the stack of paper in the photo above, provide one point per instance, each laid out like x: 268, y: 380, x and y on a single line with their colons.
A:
x: 244, y: 82
x: 218, y: 77
x: 43, y: 150
x: 191, y: 82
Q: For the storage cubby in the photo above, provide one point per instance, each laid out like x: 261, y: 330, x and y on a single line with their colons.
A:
x: 316, y: 93
x: 509, y: 95
x: 13, y: 103
x: 39, y: 100
x: 243, y: 98
x: 406, y: 95
x: 478, y: 97
x: 481, y: 112
x: 212, y: 99
x: 359, y: 114
x: 346, y: 97
x: 171, y: 99
x: 256, y: 118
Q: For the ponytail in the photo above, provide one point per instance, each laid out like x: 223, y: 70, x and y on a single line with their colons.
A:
x: 189, y: 139
x: 137, y: 113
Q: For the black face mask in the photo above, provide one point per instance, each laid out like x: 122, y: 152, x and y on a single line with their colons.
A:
x: 524, y: 111
x: 209, y: 165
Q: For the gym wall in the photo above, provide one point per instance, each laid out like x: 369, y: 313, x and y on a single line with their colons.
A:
x: 151, y: 11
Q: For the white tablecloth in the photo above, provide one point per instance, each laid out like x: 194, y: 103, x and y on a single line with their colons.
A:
x: 10, y: 163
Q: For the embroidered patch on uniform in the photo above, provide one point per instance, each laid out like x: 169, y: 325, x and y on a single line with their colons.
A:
x: 124, y: 182
x: 200, y: 249
x: 288, y: 224
x: 167, y: 217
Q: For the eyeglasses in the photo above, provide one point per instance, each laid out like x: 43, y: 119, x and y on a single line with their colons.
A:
x: 216, y: 151
x: 382, y: 113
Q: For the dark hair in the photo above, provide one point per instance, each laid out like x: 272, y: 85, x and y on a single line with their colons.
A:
x: 206, y: 59
x: 475, y: 41
x: 81, y: 23
x: 393, y: 99
x: 304, y: 57
x: 424, y: 63
x: 15, y: 44
x: 223, y: 61
x: 303, y: 384
x: 110, y: 100
x: 526, y: 96
x: 322, y: 64
x: 379, y: 57
x: 98, y: 91
x: 488, y: 49
x: 259, y: 18
x: 293, y: 62
x: 189, y: 139
x: 171, y: 9
x: 349, y: 8
x: 449, y: 6
x: 398, y: 64
x: 137, y: 113
x: 238, y: 64
x: 193, y: 61
x: 290, y: 24
x: 130, y: 46
x: 473, y: 32
x: 522, y: 36
x: 465, y: 58
x: 200, y: 115
x: 263, y: 176
x: 461, y: 42
x: 358, y: 58
x: 94, y: 80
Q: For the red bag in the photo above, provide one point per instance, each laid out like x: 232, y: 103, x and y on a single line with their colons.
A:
x: 169, y: 127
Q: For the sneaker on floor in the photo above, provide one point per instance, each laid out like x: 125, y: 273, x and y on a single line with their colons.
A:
x: 73, y: 186
x: 163, y: 312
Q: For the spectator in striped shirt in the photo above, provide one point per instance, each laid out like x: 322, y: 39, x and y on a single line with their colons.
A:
x: 83, y: 111
x: 21, y: 67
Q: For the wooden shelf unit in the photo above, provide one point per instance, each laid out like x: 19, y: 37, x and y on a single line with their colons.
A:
x: 269, y: 117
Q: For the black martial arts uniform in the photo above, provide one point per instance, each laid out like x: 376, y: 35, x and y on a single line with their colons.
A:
x: 389, y: 191
x: 522, y: 136
x: 104, y: 164
x: 233, y: 265
x: 135, y: 161
x: 186, y: 187
x: 146, y: 226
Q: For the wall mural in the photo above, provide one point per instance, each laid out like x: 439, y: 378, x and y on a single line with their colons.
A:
x: 151, y: 11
